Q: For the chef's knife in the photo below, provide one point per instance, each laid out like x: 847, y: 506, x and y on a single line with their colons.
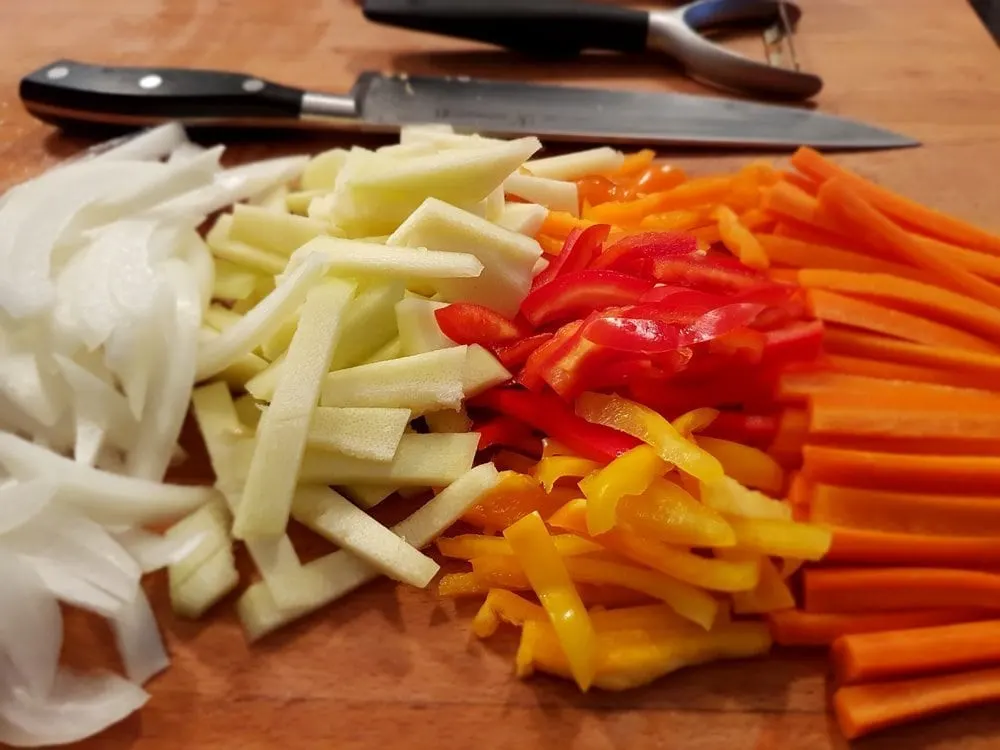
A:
x: 67, y: 92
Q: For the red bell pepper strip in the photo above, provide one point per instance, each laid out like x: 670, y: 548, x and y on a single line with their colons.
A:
x: 637, y: 253
x: 467, y: 323
x: 531, y: 375
x: 623, y: 372
x: 580, y: 292
x: 567, y: 368
x: 579, y: 250
x: 750, y: 429
x: 802, y: 341
x: 706, y: 273
x: 502, y: 430
x: 547, y: 413
x: 514, y: 355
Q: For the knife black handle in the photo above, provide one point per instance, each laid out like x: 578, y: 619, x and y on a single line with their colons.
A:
x: 69, y: 92
x: 538, y: 27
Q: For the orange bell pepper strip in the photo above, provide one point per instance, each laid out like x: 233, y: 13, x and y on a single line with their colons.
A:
x: 778, y: 538
x: 695, y: 420
x: 468, y: 546
x: 923, y: 219
x: 704, y: 191
x: 453, y: 585
x: 629, y: 474
x: 646, y: 425
x: 683, y: 220
x: 637, y: 657
x: 553, y: 468
x: 771, y: 592
x: 739, y: 240
x: 836, y: 308
x: 635, y: 163
x: 560, y: 224
x: 538, y: 557
x: 747, y: 465
x: 648, y: 617
x: 726, y: 495
x: 508, y: 460
x: 504, y: 606
x: 670, y: 514
x: 512, y: 498
x: 707, y: 573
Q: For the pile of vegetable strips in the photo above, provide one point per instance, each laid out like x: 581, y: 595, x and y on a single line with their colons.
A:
x: 650, y: 400
x: 876, y: 388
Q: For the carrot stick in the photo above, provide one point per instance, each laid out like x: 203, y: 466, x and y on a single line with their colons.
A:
x: 859, y: 547
x: 836, y: 308
x: 793, y: 429
x: 904, y: 512
x: 860, y: 344
x: 838, y: 198
x: 873, y: 368
x: 866, y: 657
x: 921, y: 218
x: 801, y: 181
x: 862, y: 709
x: 788, y: 201
x: 895, y: 471
x: 757, y: 220
x: 797, y: 230
x: 793, y: 627
x: 801, y: 385
x: 855, y: 414
x: 890, y: 589
x: 797, y: 253
x: 915, y: 296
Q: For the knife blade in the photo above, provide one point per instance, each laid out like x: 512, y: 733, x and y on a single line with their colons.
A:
x: 71, y: 93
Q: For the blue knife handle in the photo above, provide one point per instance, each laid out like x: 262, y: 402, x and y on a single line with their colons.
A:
x: 538, y: 27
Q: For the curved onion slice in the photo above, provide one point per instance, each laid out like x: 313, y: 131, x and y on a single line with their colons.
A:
x: 148, y: 145
x: 153, y: 551
x: 30, y: 629
x: 139, y: 641
x: 22, y: 501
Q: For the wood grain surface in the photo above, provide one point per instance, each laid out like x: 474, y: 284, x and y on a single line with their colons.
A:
x: 396, y: 668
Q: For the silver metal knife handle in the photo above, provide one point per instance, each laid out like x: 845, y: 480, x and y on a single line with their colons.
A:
x: 328, y: 106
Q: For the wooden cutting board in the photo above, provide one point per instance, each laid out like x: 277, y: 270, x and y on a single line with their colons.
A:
x: 396, y: 668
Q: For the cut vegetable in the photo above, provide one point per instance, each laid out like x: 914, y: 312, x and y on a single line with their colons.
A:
x: 372, y: 434
x: 576, y: 165
x: 277, y: 233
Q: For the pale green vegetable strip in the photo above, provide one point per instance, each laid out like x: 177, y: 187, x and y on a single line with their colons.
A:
x: 419, y: 331
x: 321, y: 171
x: 221, y: 318
x: 368, y: 433
x: 212, y: 581
x: 392, y: 349
x: 298, y: 203
x: 211, y: 524
x: 367, y: 496
x: 370, y: 323
x: 335, y: 575
x: 422, y: 382
x: 334, y: 517
x: 247, y: 410
x: 523, y: 218
x: 260, y: 322
x: 448, y: 420
x: 233, y: 282
x: 276, y: 345
x: 217, y: 418
x: 576, y: 165
x: 557, y: 195
x: 240, y: 253
x: 278, y: 233
x: 356, y: 258
x: 273, y: 200
x: 482, y: 371
x: 283, y: 429
x: 261, y: 386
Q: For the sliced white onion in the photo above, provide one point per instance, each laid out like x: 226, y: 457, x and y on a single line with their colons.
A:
x: 148, y: 145
x: 22, y: 501
x: 139, y: 641
x: 101, y: 412
x: 153, y: 551
x: 30, y: 628
x: 22, y: 381
x: 78, y: 707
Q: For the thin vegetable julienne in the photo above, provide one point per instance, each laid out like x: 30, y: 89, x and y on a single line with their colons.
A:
x: 542, y: 564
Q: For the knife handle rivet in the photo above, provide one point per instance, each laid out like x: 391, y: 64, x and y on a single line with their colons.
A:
x: 253, y: 85
x: 150, y: 81
x: 54, y: 74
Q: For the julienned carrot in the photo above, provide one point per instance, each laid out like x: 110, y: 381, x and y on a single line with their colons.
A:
x: 836, y: 308
x: 861, y: 344
x: 862, y: 709
x: 922, y: 218
x: 876, y: 415
x: 859, y: 547
x: 838, y: 199
x: 894, y: 589
x: 739, y: 240
x: 802, y: 181
x: 902, y: 471
x: 801, y: 385
x: 874, y: 368
x: 793, y: 428
x: 788, y: 201
x: 793, y: 627
x: 913, y: 296
x: 786, y: 226
x: 796, y: 253
x: 904, y: 512
x: 867, y: 657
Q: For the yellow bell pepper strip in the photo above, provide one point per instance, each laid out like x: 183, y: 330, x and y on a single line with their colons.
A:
x: 634, y: 658
x: 507, y: 460
x: 467, y: 546
x: 781, y: 538
x: 505, y: 606
x: 524, y: 660
x: 514, y: 496
x: 688, y: 601
x: 670, y: 514
x: 538, y: 557
x: 645, y: 424
x: 551, y: 447
x: 453, y: 585
x: 739, y: 240
x: 629, y: 474
x: 771, y: 593
x: 707, y: 573
x: 695, y: 420
x: 726, y: 495
x: 747, y: 465
x: 553, y: 468
x: 652, y: 617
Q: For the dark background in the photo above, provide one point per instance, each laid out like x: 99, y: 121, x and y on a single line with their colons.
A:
x: 989, y: 11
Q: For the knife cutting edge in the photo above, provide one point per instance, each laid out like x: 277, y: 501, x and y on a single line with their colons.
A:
x: 72, y: 93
